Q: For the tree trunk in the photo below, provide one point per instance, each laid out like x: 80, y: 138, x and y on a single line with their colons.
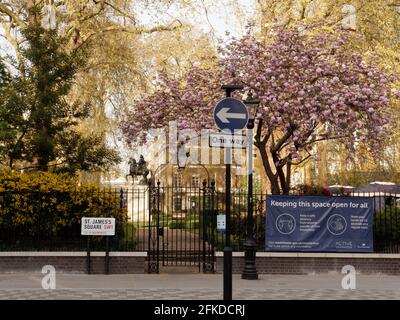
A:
x: 275, y: 190
x: 322, y: 164
x: 288, y: 174
x: 279, y: 183
x: 273, y: 178
x: 11, y: 162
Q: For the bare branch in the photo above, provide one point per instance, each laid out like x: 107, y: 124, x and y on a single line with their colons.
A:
x: 92, y: 15
x: 4, y: 9
x: 14, y: 44
x: 137, y: 31
x: 323, y: 139
x: 123, y: 13
x: 282, y: 140
x: 261, y: 141
x: 301, y: 161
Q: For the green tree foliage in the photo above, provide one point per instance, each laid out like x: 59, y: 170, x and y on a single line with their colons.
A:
x: 87, y: 153
x: 50, y: 76
x: 38, y: 115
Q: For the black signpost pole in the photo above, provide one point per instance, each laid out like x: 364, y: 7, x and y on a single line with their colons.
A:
x: 99, y: 227
x: 228, y: 247
x: 88, y: 254
x: 107, y: 269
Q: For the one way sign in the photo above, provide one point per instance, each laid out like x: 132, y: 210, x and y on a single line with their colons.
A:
x: 231, y: 115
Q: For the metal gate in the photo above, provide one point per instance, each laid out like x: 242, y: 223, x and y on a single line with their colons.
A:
x: 181, y: 227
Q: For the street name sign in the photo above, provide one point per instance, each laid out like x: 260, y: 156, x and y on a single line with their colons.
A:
x: 221, y: 140
x: 97, y: 226
x: 231, y: 115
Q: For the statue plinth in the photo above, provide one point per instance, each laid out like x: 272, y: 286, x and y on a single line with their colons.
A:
x: 138, y: 193
x: 138, y: 202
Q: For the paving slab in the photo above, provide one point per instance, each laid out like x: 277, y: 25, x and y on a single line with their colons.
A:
x: 196, y: 286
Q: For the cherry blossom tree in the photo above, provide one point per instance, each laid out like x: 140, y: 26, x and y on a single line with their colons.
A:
x: 311, y: 87
x: 188, y: 100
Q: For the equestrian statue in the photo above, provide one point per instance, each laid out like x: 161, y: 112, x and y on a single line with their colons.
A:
x: 137, y: 169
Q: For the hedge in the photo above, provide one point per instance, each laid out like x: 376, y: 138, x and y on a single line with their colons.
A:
x: 49, y: 206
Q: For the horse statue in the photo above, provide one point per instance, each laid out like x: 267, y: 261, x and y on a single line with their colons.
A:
x: 138, y: 169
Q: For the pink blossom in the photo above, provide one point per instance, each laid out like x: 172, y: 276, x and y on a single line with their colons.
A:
x: 300, y: 90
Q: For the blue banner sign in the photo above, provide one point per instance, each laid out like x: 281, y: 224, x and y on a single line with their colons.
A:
x: 319, y: 224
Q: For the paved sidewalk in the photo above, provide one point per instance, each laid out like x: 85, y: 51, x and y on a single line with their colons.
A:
x: 196, y: 286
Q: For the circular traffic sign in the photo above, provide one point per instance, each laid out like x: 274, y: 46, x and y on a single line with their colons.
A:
x: 231, y: 115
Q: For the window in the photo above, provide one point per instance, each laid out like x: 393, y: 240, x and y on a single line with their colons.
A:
x: 193, y: 202
x: 177, y: 180
x: 177, y: 203
x: 195, y: 181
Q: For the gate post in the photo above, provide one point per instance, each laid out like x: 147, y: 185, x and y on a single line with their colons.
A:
x: 208, y: 227
x: 158, y: 225
x: 213, y: 223
x: 153, y: 240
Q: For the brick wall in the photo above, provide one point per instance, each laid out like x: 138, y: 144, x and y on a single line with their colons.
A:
x: 73, y: 262
x: 267, y: 263
x: 308, y: 263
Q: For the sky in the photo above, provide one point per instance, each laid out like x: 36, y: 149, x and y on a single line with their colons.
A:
x: 209, y: 16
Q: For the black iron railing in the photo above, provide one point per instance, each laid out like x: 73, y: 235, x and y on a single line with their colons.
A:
x: 185, y: 220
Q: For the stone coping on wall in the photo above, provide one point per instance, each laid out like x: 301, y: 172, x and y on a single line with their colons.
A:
x: 70, y: 254
x: 316, y: 255
x: 217, y: 254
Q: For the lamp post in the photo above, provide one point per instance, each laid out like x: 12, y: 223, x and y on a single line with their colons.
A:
x: 182, y: 157
x: 153, y: 175
x: 250, y: 246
